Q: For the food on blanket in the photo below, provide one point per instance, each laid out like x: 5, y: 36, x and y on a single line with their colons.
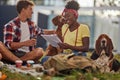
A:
x: 39, y: 69
x: 2, y: 76
x: 18, y: 63
x: 30, y: 63
x: 25, y: 68
x: 50, y: 72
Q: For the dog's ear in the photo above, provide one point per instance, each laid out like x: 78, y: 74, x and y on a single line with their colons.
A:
x: 110, y: 44
x: 97, y: 46
x: 109, y: 47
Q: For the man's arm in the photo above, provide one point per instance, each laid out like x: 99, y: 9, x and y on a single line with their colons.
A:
x: 46, y: 31
x: 16, y: 45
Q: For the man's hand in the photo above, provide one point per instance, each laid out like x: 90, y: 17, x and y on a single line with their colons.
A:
x: 31, y: 42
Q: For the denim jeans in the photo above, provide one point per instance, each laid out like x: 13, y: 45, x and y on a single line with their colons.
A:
x: 44, y: 59
x: 77, y: 53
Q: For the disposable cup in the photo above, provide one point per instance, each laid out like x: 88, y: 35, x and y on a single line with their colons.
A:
x: 30, y: 63
x: 18, y: 63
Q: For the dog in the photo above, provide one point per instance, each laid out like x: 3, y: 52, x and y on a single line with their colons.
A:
x: 57, y: 21
x: 103, y: 55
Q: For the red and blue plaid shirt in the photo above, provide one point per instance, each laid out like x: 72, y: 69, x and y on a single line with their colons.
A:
x: 12, y: 32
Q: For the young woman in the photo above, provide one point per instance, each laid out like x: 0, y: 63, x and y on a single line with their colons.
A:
x: 75, y: 35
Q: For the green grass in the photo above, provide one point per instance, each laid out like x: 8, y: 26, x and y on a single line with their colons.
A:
x: 75, y: 75
x: 16, y: 76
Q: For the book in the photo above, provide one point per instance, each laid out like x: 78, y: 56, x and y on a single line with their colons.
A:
x: 52, y: 39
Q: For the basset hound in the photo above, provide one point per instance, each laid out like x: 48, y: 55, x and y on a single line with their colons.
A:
x: 103, y: 54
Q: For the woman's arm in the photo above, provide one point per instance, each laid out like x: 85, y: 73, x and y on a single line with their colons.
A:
x: 83, y: 48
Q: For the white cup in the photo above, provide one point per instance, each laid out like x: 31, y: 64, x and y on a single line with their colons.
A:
x: 30, y: 63
x: 18, y: 63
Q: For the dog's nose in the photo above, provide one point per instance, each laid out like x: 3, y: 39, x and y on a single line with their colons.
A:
x: 103, y: 41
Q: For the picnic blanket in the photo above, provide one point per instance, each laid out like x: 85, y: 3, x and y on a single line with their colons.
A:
x: 68, y: 61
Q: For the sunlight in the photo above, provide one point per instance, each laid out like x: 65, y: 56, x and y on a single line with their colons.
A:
x: 86, y: 3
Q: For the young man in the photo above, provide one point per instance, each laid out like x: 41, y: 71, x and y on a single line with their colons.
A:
x: 19, y: 35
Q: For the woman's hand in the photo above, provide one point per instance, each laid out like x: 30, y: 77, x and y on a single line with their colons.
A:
x: 64, y: 45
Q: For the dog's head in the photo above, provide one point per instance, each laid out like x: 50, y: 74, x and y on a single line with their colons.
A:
x: 58, y: 21
x: 104, y: 43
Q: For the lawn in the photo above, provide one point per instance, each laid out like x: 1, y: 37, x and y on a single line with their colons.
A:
x: 75, y: 75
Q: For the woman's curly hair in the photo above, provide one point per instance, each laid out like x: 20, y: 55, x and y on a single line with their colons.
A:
x: 72, y: 5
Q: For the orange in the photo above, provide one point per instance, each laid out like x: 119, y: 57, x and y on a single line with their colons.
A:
x: 3, y: 77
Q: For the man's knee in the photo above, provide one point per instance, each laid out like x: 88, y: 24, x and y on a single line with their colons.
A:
x: 2, y: 47
x: 1, y: 44
x: 0, y: 56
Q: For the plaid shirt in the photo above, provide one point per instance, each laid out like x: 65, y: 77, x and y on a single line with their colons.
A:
x: 12, y: 32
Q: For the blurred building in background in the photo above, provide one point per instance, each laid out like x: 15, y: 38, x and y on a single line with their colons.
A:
x: 102, y: 16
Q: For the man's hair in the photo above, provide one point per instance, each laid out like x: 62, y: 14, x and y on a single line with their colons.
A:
x: 23, y: 4
x: 72, y: 5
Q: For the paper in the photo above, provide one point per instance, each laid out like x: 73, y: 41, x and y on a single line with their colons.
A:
x: 52, y: 39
